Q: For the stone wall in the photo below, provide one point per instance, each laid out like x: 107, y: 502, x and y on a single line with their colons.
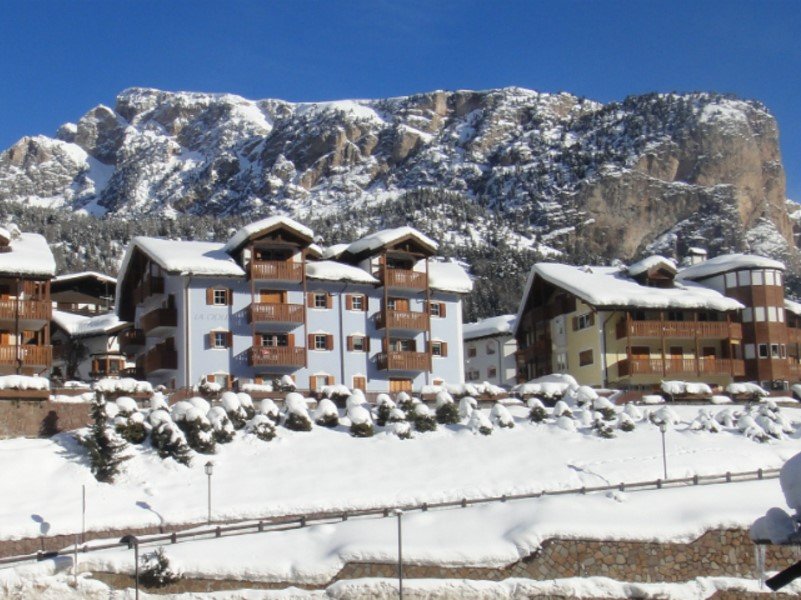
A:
x: 40, y: 418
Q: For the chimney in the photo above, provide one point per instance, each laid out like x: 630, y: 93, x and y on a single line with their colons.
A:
x: 696, y: 255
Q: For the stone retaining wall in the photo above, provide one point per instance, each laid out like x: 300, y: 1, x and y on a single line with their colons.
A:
x: 40, y: 418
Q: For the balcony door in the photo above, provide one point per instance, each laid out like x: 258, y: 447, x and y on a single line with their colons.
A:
x: 275, y: 340
x: 398, y: 304
x: 401, y: 345
x: 272, y: 297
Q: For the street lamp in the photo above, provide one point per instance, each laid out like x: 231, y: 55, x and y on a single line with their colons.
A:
x: 133, y: 542
x: 663, y: 430
x: 399, y: 514
x: 209, y: 468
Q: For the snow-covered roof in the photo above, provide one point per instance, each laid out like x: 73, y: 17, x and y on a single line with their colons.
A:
x: 792, y: 306
x: 30, y: 256
x: 651, y: 262
x: 729, y: 262
x: 609, y: 287
x: 387, y: 237
x: 330, y: 270
x: 501, y: 325
x: 185, y: 258
x: 82, y: 274
x: 79, y: 326
x: 253, y: 229
x: 697, y: 251
x: 448, y: 277
x: 334, y: 252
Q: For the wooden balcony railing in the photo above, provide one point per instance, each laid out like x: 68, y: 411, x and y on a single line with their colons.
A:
x: 681, y: 366
x: 541, y: 347
x: 276, y: 313
x: 159, y: 358
x: 31, y: 310
x: 130, y: 339
x: 277, y: 356
x: 148, y: 287
x: 277, y: 270
x: 680, y: 329
x: 160, y: 318
x: 403, y: 278
x: 26, y: 356
x: 402, y: 319
x: 397, y: 360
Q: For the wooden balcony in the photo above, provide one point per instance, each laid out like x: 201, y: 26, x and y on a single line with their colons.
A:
x: 541, y: 347
x: 31, y: 313
x: 680, y: 329
x: 277, y: 356
x: 402, y: 319
x: 160, y: 358
x: 131, y: 340
x: 159, y: 322
x: 681, y: 366
x: 150, y: 286
x: 262, y: 312
x: 397, y: 360
x: 26, y: 356
x: 276, y: 270
x: 403, y: 279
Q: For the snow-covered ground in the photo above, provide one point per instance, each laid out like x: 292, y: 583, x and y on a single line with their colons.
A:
x: 330, y: 470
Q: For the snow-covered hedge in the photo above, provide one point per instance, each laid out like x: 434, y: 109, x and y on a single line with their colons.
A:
x: 24, y: 382
x: 124, y: 385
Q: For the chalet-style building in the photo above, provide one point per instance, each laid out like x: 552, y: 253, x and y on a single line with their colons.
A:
x: 716, y: 321
x: 380, y: 314
x: 86, y: 293
x: 490, y: 351
x: 26, y: 268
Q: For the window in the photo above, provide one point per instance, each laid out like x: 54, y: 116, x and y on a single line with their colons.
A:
x: 473, y: 375
x: 780, y: 313
x: 392, y: 304
x: 358, y: 343
x: 436, y: 309
x: 745, y: 278
x: 757, y: 278
x: 471, y: 352
x: 759, y: 314
x: 675, y: 315
x: 490, y: 347
x: 778, y: 278
x: 774, y: 349
x: 439, y: 349
x: 320, y: 300
x: 748, y: 315
x: 773, y: 315
x: 585, y: 358
x: 492, y: 372
x: 583, y: 321
x: 750, y: 351
x: 769, y: 278
x: 317, y: 382
x: 218, y: 296
x: 357, y: 303
x: 731, y: 280
x: 783, y: 350
x: 220, y: 339
x: 763, y: 350
x: 274, y: 340
x: 320, y: 341
x: 561, y: 361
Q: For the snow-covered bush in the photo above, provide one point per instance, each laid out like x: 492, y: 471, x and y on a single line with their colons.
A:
x: 361, y: 424
x: 209, y: 388
x: 220, y: 425
x: 270, y: 410
x: 423, y: 418
x: 745, y: 391
x: 396, y: 415
x: 246, y: 402
x: 632, y: 411
x: 354, y: 400
x: 479, y: 423
x: 602, y: 428
x: 198, y: 431
x: 262, y: 427
x: 566, y: 423
x: 158, y: 402
x: 385, y: 407
x: 500, y: 416
x: 585, y: 395
x: 199, y: 403
x: 167, y: 438
x: 406, y: 402
x: 296, y: 416
x: 124, y: 385
x: 446, y: 410
x: 402, y: 429
x: 126, y: 406
x: 586, y: 417
x: 718, y: 399
x: 664, y: 415
x: 653, y: 399
x: 233, y: 408
x: 625, y: 422
x: 466, y: 407
x: 285, y: 384
x: 705, y: 422
x: 605, y: 407
x: 561, y: 409
x: 537, y: 412
x: 155, y: 570
x: 326, y: 414
x: 132, y: 428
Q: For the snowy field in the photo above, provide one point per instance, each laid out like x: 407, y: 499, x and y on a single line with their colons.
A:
x: 325, y: 469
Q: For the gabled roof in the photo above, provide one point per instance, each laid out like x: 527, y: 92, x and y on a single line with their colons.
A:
x: 185, y: 258
x: 650, y: 263
x: 30, y: 256
x: 85, y: 275
x: 329, y: 270
x: 612, y: 288
x: 384, y: 238
x: 729, y: 262
x: 81, y: 326
x: 501, y: 325
x: 265, y: 226
x: 448, y: 276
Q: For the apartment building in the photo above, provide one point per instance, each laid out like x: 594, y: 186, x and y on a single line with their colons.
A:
x: 379, y: 314
x: 490, y: 351
x: 627, y: 327
x: 26, y: 268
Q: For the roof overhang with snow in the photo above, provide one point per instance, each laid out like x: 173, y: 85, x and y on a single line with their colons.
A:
x: 405, y: 239
x: 28, y: 255
x: 266, y: 227
x: 726, y: 263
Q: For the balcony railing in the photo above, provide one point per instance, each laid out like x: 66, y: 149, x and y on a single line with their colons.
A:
x: 29, y: 310
x: 403, y: 278
x: 160, y: 358
x: 148, y: 287
x: 157, y: 321
x: 397, y: 360
x: 541, y: 347
x: 277, y: 356
x: 402, y: 319
x: 681, y: 366
x: 262, y: 312
x: 277, y: 270
x: 131, y: 339
x: 680, y: 329
x: 26, y: 356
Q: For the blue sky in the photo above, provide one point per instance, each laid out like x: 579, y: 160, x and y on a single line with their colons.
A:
x: 62, y: 57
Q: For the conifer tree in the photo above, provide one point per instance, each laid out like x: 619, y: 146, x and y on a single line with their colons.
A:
x: 105, y: 447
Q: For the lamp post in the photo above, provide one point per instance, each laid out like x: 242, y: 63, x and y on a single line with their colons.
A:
x: 663, y: 430
x: 209, y: 468
x: 399, y: 514
x: 133, y: 542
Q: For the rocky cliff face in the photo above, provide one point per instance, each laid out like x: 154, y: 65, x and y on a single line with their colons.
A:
x: 656, y: 172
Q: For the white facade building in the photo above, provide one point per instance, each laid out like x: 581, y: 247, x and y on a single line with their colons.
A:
x: 489, y: 350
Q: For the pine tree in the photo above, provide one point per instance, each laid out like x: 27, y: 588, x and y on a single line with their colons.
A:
x: 105, y: 447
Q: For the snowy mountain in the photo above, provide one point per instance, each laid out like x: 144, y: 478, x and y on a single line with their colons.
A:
x: 535, y: 173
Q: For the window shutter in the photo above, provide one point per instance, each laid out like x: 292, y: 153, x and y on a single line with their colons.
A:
x: 366, y: 344
x: 310, y: 341
x: 209, y: 295
x: 290, y: 340
x: 365, y: 301
x: 329, y: 380
x: 310, y: 300
x: 383, y: 344
x: 229, y: 296
x: 591, y: 319
x: 350, y: 343
x: 442, y: 309
x: 329, y: 301
x: 348, y: 302
x: 210, y: 378
x: 229, y: 339
x: 429, y: 347
x: 209, y: 340
x: 575, y: 323
x: 312, y: 383
x: 329, y: 342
